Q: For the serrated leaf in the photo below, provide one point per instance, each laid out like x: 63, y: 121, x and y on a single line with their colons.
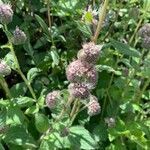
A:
x: 41, y: 123
x: 15, y: 116
x: 81, y: 138
x: 125, y: 49
x: 18, y: 90
x: 32, y: 73
x: 23, y: 101
x: 55, y: 57
x: 32, y: 110
x: 42, y: 24
x: 19, y: 136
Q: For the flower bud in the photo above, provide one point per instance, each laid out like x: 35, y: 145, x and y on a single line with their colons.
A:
x: 80, y: 71
x: 5, y: 70
x: 93, y: 106
x: 19, y: 37
x: 78, y: 90
x: 6, y: 13
x: 146, y: 42
x: 51, y: 99
x: 110, y: 122
x: 89, y: 53
x: 64, y: 132
x: 145, y: 31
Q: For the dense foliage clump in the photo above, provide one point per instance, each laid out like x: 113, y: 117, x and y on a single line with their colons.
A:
x: 74, y: 74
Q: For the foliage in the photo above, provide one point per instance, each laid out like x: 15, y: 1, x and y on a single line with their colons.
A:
x: 55, y: 31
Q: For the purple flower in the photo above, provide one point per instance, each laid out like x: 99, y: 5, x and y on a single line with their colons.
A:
x: 51, y: 99
x: 6, y: 13
x: 4, y: 68
x: 93, y: 106
x: 78, y: 90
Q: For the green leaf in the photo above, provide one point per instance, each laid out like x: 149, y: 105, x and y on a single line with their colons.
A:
x: 55, y: 57
x: 32, y: 73
x: 15, y: 116
x: 1, y: 147
x: 3, y: 115
x: 9, y: 58
x: 47, y: 145
x: 42, y: 24
x: 125, y: 49
x: 32, y: 110
x: 41, y: 123
x: 23, y: 101
x: 108, y: 69
x: 19, y: 136
x: 18, y: 90
x: 81, y: 138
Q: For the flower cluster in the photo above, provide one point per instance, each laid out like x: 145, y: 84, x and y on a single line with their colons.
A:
x: 93, y: 106
x: 5, y: 70
x: 19, y: 37
x: 144, y: 33
x: 6, y: 15
x: 83, y: 76
x: 51, y: 99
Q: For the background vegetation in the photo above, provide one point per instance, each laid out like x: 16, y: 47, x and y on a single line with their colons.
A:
x: 55, y: 32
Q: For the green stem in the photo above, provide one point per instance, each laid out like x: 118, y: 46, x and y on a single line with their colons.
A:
x: 48, y: 13
x: 102, y: 14
x: 77, y: 110
x: 136, y: 30
x: 21, y: 73
x: 17, y: 64
x: 5, y: 87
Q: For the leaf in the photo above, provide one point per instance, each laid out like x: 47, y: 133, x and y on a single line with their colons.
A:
x: 85, y: 29
x: 32, y: 73
x: 15, y: 116
x: 9, y: 58
x: 19, y: 136
x: 41, y: 123
x: 23, y: 101
x: 42, y: 24
x: 46, y: 145
x: 125, y: 49
x: 81, y: 138
x: 18, y: 90
x: 3, y: 114
x: 32, y: 110
x: 1, y: 147
x: 108, y: 69
x: 55, y: 57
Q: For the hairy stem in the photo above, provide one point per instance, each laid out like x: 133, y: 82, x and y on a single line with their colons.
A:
x: 48, y: 13
x: 102, y: 14
x: 5, y: 87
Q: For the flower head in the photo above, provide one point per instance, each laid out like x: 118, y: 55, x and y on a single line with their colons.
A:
x: 51, y: 99
x: 6, y: 13
x: 19, y: 37
x: 146, y: 42
x: 93, y: 106
x: 78, y: 90
x: 89, y: 53
x: 145, y: 31
x: 110, y: 122
x: 80, y: 71
x: 4, y: 68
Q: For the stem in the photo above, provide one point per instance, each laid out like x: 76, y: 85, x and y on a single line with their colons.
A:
x: 102, y: 15
x: 21, y: 73
x: 48, y: 13
x: 17, y: 64
x: 77, y: 110
x: 74, y: 108
x: 136, y: 30
x: 5, y: 87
